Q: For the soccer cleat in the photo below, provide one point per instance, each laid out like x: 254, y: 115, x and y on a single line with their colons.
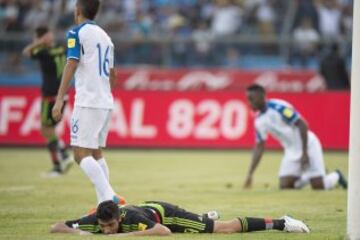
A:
x: 119, y: 200
x: 92, y: 211
x: 53, y: 173
x: 342, y: 179
x: 295, y: 226
x: 66, y: 163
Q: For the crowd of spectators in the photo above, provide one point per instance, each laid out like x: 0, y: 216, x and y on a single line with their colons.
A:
x: 151, y: 17
x: 201, y: 21
x: 318, y: 24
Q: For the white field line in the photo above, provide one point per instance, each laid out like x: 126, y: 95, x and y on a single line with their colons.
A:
x: 17, y: 188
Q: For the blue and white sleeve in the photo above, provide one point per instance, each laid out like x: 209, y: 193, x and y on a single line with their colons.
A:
x: 289, y: 115
x: 73, y: 45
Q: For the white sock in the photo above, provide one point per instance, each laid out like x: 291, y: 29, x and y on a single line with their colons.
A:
x: 331, y: 180
x: 302, y: 181
x: 94, y: 172
x: 61, y: 144
x: 104, y: 167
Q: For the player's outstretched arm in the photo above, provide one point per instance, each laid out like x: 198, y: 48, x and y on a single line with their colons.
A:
x: 256, y: 157
x: 301, y: 124
x: 27, y: 50
x: 36, y: 43
x: 61, y: 227
x: 157, y: 230
x: 68, y: 74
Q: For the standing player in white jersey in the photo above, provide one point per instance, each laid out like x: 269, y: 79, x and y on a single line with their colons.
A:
x: 303, y: 156
x: 90, y: 57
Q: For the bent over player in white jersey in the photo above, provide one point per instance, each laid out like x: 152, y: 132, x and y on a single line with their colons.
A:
x: 303, y: 156
x: 90, y: 57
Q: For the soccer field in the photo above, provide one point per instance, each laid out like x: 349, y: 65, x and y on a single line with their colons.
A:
x: 196, y: 180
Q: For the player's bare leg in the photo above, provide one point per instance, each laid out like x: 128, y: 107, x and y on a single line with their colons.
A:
x: 317, y: 183
x: 47, y: 131
x: 231, y: 226
x: 81, y: 153
x: 97, y: 154
x: 288, y: 182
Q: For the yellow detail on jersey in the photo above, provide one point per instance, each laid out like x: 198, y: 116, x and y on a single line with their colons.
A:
x: 57, y: 51
x: 71, y: 42
x: 142, y: 227
x: 288, y: 112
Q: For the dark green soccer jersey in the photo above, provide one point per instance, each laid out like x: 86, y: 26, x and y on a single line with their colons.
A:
x: 133, y: 218
x: 52, y: 61
x: 145, y: 216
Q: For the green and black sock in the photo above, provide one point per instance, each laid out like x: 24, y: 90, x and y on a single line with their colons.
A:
x: 53, y: 149
x: 62, y: 149
x: 260, y: 224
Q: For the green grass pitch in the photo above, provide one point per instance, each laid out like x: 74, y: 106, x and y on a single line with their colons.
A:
x: 196, y: 180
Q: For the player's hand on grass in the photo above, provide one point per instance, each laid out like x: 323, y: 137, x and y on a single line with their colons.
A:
x: 304, y: 160
x: 248, y: 182
x: 56, y: 111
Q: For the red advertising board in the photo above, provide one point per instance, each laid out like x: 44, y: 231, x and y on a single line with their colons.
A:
x: 178, y: 119
x: 155, y: 79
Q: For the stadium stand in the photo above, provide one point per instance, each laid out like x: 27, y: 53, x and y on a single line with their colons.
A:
x: 247, y: 34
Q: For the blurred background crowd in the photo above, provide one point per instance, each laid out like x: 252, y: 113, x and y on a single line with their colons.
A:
x: 270, y: 34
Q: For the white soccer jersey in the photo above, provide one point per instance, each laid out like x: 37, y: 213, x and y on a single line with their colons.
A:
x: 279, y: 120
x: 93, y: 48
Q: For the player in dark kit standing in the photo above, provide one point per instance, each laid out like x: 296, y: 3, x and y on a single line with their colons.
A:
x: 52, y: 60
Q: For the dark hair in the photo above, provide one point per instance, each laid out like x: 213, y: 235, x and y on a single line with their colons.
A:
x: 41, y: 31
x: 256, y: 88
x: 89, y: 8
x: 107, y: 210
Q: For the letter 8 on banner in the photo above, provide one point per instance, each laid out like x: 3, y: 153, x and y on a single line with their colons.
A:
x: 228, y: 120
x: 181, y: 120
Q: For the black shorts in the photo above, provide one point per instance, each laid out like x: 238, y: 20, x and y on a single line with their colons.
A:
x: 47, y: 104
x: 179, y: 220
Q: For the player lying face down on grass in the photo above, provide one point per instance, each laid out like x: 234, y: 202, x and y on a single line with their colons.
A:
x: 154, y: 218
